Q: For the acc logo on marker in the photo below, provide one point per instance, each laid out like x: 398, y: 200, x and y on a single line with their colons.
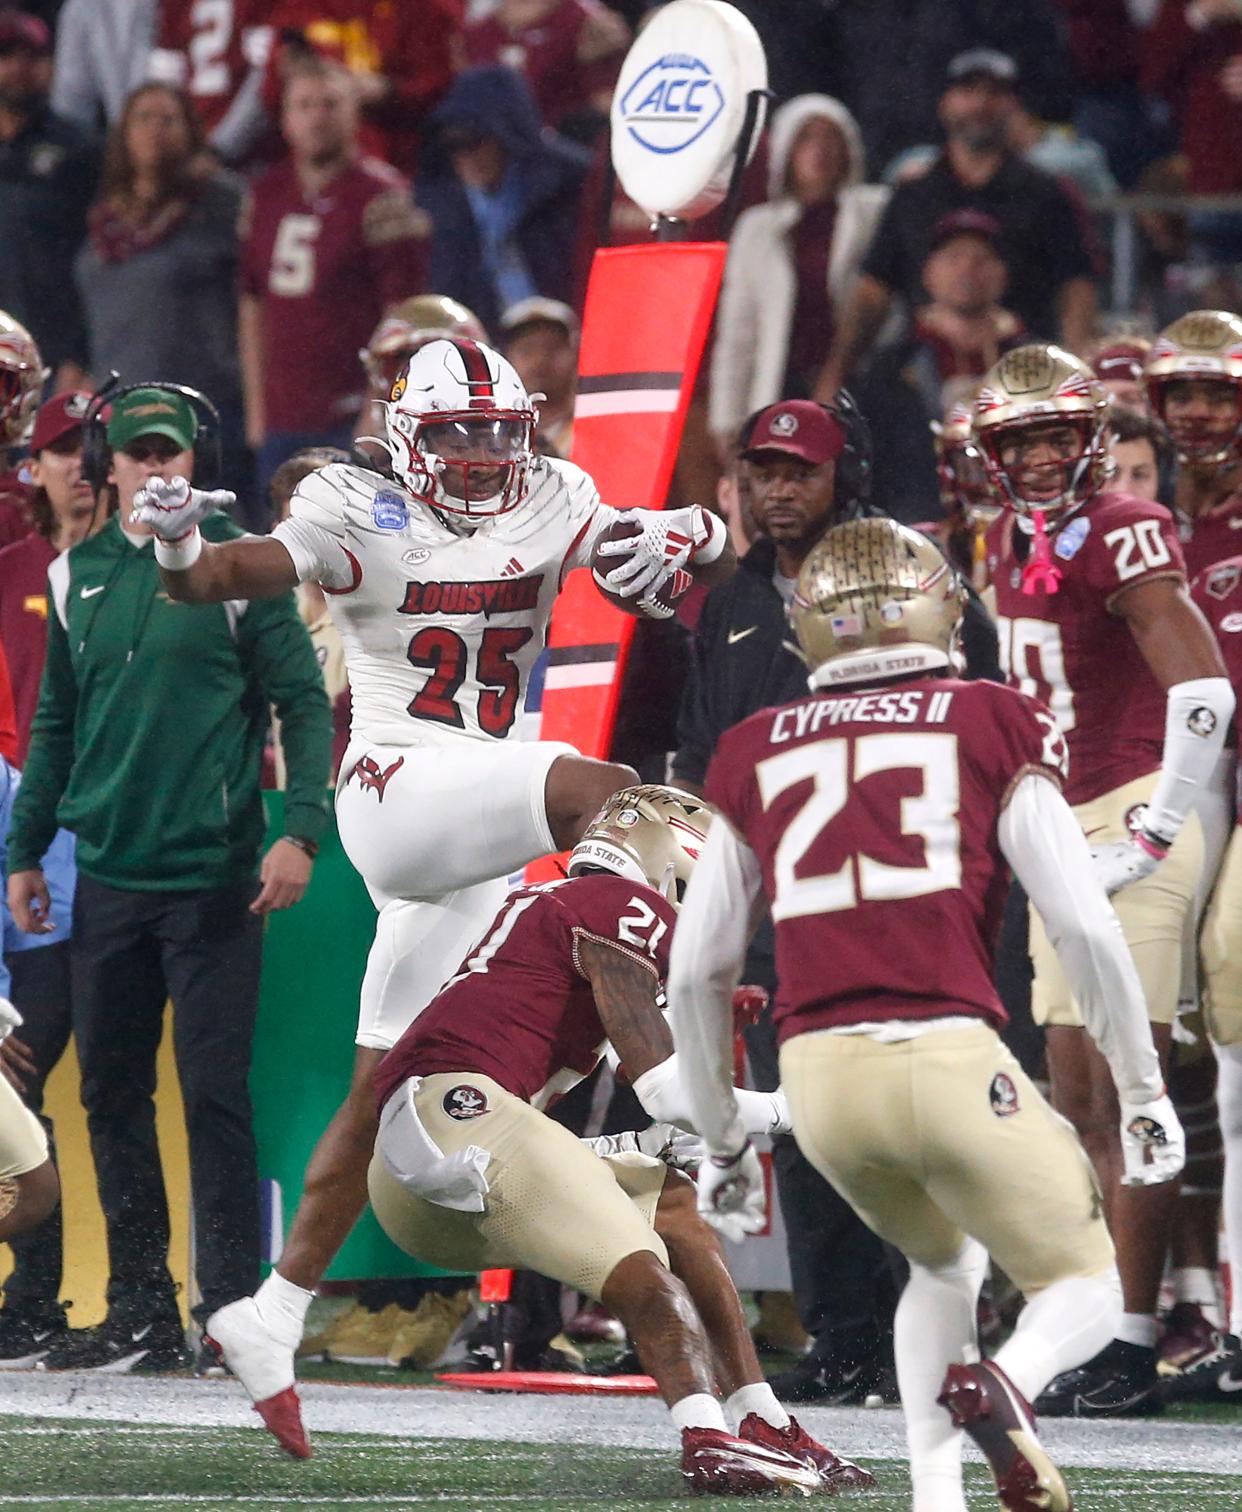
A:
x: 671, y: 103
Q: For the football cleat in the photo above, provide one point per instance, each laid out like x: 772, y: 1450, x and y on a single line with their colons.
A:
x: 264, y: 1366
x: 835, y: 1474
x: 1215, y: 1376
x: 1188, y: 1338
x: 984, y: 1402
x: 1121, y: 1381
x: 717, y: 1464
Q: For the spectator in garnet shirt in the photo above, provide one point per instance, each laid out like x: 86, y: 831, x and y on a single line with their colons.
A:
x: 62, y: 507
x: 1192, y: 58
x: 570, y: 52
x: 329, y: 241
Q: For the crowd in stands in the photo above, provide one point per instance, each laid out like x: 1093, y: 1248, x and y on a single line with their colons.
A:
x: 273, y: 202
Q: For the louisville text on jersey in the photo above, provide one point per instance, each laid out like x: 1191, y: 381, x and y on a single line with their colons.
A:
x: 496, y: 596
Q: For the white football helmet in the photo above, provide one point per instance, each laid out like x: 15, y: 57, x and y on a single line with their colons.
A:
x: 461, y: 429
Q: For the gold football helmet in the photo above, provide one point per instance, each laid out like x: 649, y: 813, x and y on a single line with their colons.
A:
x: 1204, y: 345
x: 650, y: 834
x: 964, y: 487
x: 1030, y: 393
x: 874, y: 586
x: 22, y: 376
x: 409, y: 325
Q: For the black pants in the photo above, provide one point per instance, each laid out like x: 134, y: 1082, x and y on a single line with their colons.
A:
x: 837, y: 1264
x: 130, y: 952
x: 40, y: 992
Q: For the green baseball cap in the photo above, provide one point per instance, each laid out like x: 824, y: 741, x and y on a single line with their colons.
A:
x: 152, y: 412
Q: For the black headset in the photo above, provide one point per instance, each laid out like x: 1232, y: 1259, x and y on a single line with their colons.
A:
x: 97, y: 454
x: 853, y: 476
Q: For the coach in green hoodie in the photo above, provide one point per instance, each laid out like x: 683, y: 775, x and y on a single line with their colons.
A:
x: 146, y: 744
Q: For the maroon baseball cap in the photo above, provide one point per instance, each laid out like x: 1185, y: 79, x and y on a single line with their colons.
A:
x: 21, y: 29
x: 58, y: 417
x: 966, y: 223
x: 1121, y: 361
x: 799, y: 427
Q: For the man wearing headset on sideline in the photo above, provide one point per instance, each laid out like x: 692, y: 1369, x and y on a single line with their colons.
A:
x: 171, y: 888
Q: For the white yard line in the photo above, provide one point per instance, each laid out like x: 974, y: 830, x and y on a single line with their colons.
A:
x: 409, y: 1414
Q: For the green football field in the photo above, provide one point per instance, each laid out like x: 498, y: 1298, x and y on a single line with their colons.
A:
x: 59, y: 1461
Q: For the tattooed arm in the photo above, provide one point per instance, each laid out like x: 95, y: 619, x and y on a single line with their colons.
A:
x: 627, y: 998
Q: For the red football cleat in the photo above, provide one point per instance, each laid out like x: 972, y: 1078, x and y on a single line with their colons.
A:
x: 717, y: 1464
x: 282, y: 1416
x: 264, y: 1366
x: 836, y: 1474
x: 985, y: 1402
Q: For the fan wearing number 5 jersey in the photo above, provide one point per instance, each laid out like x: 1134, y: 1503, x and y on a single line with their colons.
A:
x: 1095, y: 620
x: 441, y: 574
x: 879, y: 816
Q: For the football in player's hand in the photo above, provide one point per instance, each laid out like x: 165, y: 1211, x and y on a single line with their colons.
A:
x: 660, y: 604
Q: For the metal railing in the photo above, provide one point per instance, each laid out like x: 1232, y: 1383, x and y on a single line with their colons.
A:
x: 1124, y: 210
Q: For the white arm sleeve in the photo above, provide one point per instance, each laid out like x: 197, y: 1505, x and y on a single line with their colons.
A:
x: 709, y: 946
x: 1042, y: 842
x: 314, y: 533
x: 1197, y: 716
x: 664, y: 1093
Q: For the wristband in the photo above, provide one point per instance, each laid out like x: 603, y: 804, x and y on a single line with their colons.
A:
x: 310, y: 847
x: 181, y: 554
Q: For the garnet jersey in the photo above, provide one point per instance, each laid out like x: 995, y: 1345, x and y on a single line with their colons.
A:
x: 23, y: 624
x: 208, y: 47
x: 440, y: 630
x: 521, y: 1010
x: 1212, y: 537
x: 1218, y: 592
x: 570, y: 55
x: 324, y: 269
x: 873, y: 816
x: 1073, y: 651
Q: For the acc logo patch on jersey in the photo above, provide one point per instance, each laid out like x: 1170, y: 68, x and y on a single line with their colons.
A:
x: 389, y: 511
x: 1003, y: 1096
x: 465, y: 1102
x: 1069, y: 541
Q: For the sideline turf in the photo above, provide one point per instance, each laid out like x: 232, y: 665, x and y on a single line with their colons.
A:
x: 118, y: 1467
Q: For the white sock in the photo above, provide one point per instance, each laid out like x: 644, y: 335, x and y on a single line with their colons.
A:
x: 1062, y: 1326
x: 1138, y: 1328
x: 282, y: 1308
x: 698, y: 1410
x: 1229, y: 1101
x: 933, y: 1329
x: 759, y: 1398
x: 1196, y: 1284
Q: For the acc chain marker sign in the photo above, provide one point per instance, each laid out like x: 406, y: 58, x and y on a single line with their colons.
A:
x: 680, y: 104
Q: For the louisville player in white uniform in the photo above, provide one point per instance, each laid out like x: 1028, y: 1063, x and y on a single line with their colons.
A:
x: 878, y: 816
x: 1094, y: 619
x: 441, y: 574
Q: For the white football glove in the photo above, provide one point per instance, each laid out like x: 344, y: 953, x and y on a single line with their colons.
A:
x: 1152, y: 1128
x: 1122, y: 862
x: 731, y: 1193
x: 10, y: 1019
x: 661, y: 1141
x: 172, y: 508
x: 670, y: 542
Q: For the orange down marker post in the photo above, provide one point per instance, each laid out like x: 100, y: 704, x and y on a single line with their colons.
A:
x: 648, y: 311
